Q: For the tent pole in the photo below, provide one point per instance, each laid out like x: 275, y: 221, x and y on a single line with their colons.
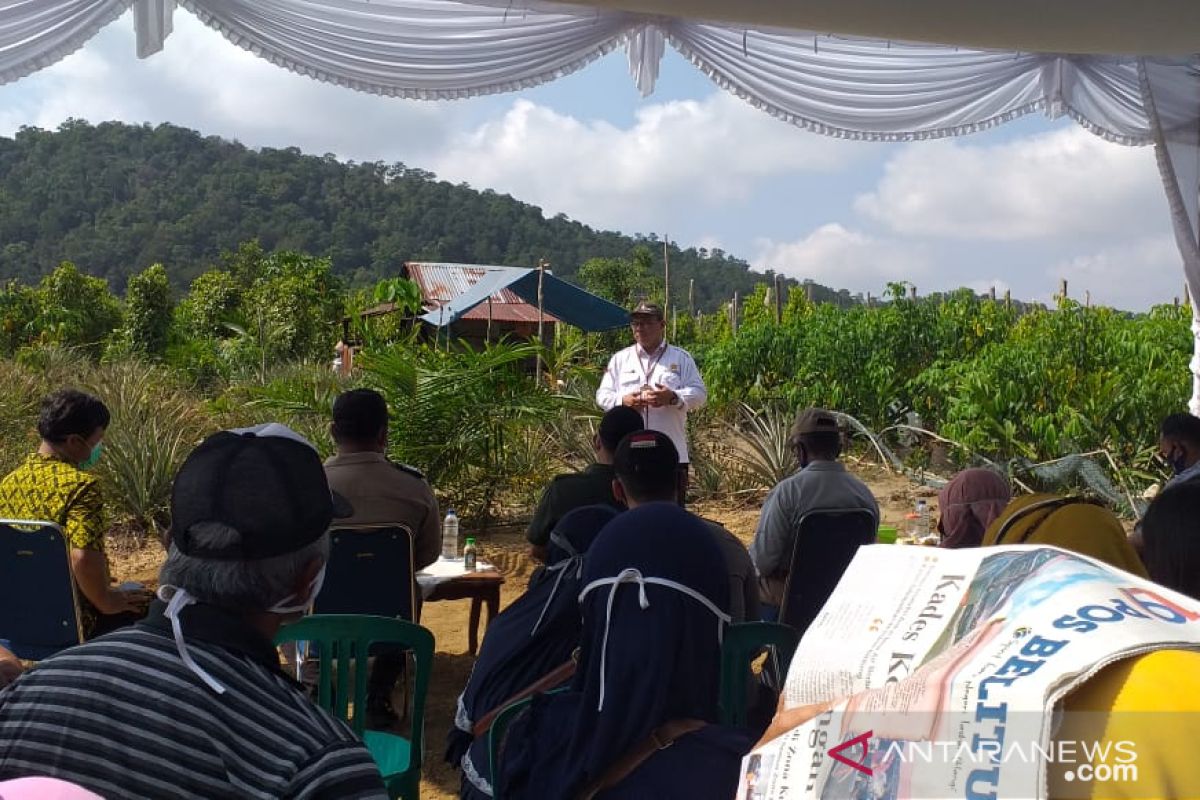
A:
x: 542, y: 264
x: 666, y: 274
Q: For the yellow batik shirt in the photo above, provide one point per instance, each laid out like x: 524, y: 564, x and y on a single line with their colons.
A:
x: 45, y: 488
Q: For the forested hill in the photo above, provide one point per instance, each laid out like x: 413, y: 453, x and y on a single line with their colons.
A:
x: 115, y: 198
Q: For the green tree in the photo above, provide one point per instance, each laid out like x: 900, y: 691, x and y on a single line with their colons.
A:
x: 76, y: 310
x: 148, y: 306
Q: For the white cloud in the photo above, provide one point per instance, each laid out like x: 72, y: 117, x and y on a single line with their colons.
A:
x: 1059, y: 184
x: 677, y: 155
x: 1132, y: 275
x: 202, y: 81
x: 846, y: 259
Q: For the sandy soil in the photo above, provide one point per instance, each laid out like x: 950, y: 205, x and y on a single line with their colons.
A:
x: 505, y: 548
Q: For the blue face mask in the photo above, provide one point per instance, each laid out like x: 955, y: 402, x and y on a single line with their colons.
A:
x: 93, y: 457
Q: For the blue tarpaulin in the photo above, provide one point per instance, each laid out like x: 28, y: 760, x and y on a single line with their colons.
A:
x: 563, y: 300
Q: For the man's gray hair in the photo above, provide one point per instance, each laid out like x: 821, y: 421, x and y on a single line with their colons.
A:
x: 240, y: 586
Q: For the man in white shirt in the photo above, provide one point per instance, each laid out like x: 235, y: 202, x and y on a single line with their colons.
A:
x: 658, y: 379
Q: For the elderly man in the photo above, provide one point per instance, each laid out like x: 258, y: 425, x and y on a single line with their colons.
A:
x: 821, y: 483
x: 191, y: 702
x: 658, y: 379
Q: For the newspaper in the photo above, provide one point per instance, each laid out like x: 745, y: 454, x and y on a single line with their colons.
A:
x: 937, y: 670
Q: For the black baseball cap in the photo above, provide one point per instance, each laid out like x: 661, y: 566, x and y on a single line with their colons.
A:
x: 266, y: 482
x: 645, y: 452
x: 814, y: 420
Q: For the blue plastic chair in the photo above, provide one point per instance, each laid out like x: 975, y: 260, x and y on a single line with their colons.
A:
x: 39, y: 602
x: 348, y: 638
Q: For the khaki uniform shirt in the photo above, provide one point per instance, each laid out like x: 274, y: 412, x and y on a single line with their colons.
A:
x: 382, y: 492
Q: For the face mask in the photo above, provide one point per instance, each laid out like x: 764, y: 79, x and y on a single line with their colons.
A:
x: 314, y: 589
x: 93, y: 457
x: 1178, y: 462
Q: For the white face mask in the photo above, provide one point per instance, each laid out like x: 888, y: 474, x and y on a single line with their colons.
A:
x: 314, y: 589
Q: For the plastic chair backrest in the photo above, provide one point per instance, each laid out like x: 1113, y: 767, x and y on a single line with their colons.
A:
x: 349, y: 638
x: 825, y: 544
x: 496, y: 736
x: 370, y: 571
x: 741, y: 644
x: 39, y: 603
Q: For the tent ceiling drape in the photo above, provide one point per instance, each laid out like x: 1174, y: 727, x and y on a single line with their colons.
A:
x: 835, y: 67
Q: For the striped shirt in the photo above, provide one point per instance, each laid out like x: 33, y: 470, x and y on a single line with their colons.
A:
x: 124, y: 717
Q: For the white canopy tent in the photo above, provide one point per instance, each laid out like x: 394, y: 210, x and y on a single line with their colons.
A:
x: 1128, y: 72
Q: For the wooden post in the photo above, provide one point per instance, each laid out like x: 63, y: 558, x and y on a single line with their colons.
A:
x: 912, y: 292
x: 1087, y: 298
x: 808, y: 292
x: 1008, y: 298
x: 1062, y: 289
x: 733, y: 313
x: 992, y: 294
x: 542, y: 264
x: 870, y: 301
x: 778, y: 299
x: 666, y: 274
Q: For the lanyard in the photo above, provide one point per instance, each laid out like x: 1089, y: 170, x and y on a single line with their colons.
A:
x: 648, y: 368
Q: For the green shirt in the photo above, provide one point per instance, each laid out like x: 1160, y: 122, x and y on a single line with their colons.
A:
x: 592, y: 486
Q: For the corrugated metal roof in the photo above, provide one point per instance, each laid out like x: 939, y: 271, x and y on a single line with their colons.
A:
x: 441, y: 282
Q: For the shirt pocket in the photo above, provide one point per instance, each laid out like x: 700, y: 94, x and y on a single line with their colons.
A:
x: 630, y: 378
x: 668, y: 377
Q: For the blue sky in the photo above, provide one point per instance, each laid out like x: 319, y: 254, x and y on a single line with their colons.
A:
x: 1018, y: 207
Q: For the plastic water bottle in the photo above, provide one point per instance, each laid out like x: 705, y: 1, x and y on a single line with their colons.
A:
x: 918, y: 523
x: 469, y: 555
x: 450, y: 535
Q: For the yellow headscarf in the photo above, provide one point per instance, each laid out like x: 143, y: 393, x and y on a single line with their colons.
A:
x: 1069, y: 523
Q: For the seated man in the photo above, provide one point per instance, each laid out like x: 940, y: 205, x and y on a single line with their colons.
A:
x: 191, y: 702
x: 53, y: 485
x: 1179, y: 446
x: 592, y: 486
x: 646, y: 464
x: 821, y: 483
x: 381, y: 492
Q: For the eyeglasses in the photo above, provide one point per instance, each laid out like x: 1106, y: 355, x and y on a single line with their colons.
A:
x: 645, y: 323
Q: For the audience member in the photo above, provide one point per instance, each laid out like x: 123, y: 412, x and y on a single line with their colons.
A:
x: 968, y: 504
x: 592, y: 486
x: 1072, y: 523
x: 822, y: 483
x: 1179, y: 446
x: 382, y: 492
x: 638, y: 719
x: 191, y: 702
x: 659, y: 380
x: 1171, y: 539
x: 10, y: 667
x: 54, y: 484
x: 645, y: 466
x: 528, y: 643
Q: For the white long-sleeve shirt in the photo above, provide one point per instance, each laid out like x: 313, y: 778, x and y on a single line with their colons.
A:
x: 673, y: 367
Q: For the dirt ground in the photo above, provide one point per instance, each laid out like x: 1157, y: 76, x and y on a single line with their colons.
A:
x: 506, y: 549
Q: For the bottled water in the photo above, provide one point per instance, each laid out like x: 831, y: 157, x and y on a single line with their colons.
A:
x: 469, y: 555
x: 450, y: 535
x: 918, y: 522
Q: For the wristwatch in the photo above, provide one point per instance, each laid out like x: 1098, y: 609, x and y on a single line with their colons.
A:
x: 675, y: 401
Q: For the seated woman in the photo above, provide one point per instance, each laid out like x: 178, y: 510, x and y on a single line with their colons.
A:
x: 968, y: 504
x: 53, y: 484
x: 655, y: 606
x: 1171, y: 538
x: 526, y: 642
x: 1072, y: 523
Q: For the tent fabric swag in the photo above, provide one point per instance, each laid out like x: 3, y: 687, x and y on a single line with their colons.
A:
x: 836, y: 85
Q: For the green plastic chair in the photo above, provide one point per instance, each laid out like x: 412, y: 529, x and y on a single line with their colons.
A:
x: 741, y: 644
x: 346, y: 638
x: 496, y: 736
